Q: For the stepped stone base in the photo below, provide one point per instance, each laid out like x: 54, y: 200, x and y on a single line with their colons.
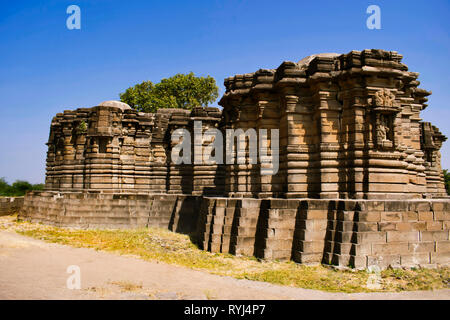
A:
x: 107, y: 210
x: 355, y: 233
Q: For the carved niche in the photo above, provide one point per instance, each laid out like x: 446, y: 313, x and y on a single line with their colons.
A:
x: 384, y: 130
x: 384, y: 113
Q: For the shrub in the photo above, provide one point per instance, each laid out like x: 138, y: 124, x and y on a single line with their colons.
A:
x: 18, y: 188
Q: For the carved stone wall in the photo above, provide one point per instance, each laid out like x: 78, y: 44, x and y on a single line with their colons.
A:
x: 350, y: 127
x: 10, y: 205
x: 117, y: 149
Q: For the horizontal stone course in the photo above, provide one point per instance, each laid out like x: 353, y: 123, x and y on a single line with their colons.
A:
x: 312, y: 234
x: 434, y: 235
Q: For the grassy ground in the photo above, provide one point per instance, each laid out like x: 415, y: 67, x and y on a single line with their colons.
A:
x: 173, y: 248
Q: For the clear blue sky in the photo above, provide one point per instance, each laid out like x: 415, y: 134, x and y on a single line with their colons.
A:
x: 46, y: 68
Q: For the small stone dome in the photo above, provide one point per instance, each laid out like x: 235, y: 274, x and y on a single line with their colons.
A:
x: 116, y: 104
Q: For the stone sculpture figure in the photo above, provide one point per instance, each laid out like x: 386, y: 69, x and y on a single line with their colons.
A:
x: 384, y: 129
x: 384, y: 98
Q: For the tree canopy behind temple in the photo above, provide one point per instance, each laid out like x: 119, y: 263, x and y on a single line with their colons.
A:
x: 18, y: 188
x: 180, y: 91
x: 447, y: 180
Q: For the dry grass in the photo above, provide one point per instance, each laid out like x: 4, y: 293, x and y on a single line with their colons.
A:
x: 127, y: 286
x: 173, y: 248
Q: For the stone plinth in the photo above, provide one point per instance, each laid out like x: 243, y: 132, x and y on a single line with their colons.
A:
x: 349, y: 233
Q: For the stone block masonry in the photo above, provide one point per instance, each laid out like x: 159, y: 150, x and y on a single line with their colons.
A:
x: 10, y: 205
x: 359, y: 183
x: 355, y: 233
x: 106, y: 210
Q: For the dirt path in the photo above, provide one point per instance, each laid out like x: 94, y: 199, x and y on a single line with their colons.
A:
x: 33, y: 269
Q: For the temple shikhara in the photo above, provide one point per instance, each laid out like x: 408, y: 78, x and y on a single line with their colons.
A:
x: 359, y: 180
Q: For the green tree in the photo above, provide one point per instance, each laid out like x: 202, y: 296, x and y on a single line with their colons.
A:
x: 180, y: 91
x: 4, y: 187
x: 38, y: 186
x: 447, y: 181
x: 18, y: 188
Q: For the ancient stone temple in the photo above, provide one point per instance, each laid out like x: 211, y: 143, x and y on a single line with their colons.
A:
x: 112, y: 148
x: 349, y: 124
x: 359, y: 180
